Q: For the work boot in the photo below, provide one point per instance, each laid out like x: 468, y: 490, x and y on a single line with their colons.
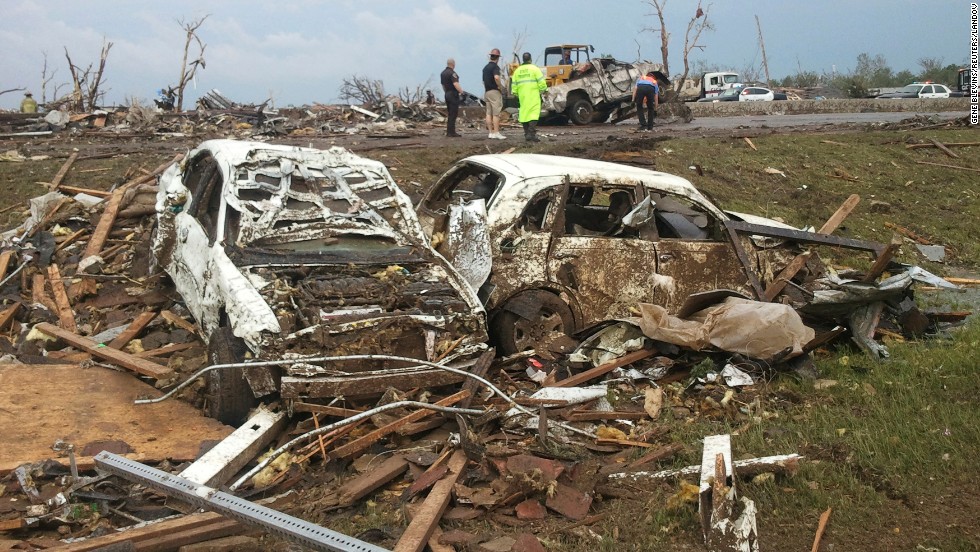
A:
x: 533, y: 136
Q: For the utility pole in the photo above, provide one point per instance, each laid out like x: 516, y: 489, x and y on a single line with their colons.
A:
x: 762, y: 43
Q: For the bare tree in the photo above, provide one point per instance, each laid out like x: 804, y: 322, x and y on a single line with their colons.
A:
x: 410, y: 96
x: 363, y: 90
x: 86, y: 92
x: 46, y: 78
x: 189, y: 69
x: 695, y: 26
x: 9, y: 90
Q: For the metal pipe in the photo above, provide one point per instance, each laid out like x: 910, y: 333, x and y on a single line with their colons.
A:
x: 346, y: 421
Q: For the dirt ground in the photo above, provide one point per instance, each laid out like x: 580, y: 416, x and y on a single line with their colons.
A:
x: 910, y: 507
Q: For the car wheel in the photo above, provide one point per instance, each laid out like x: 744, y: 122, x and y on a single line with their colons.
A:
x: 229, y: 397
x: 580, y: 111
x: 514, y: 333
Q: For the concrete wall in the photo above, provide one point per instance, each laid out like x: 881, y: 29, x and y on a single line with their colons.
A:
x: 790, y: 107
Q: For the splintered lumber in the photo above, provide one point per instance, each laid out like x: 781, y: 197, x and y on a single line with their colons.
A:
x: 749, y: 142
x: 102, y: 229
x: 427, y: 517
x: 86, y: 191
x: 785, y: 276
x: 7, y: 315
x: 120, y: 358
x: 366, y: 483
x: 324, y: 409
x: 943, y: 148
x: 907, y: 233
x: 131, y: 331
x: 784, y: 463
x: 838, y: 217
x: 881, y: 263
x: 71, y: 239
x: 178, y: 321
x: 962, y: 281
x: 163, y: 535
x: 167, y: 349
x: 229, y: 456
x: 362, y: 443
x: 66, y: 317
x: 5, y: 262
x: 56, y: 181
x: 821, y: 526
x: 39, y: 294
x: 603, y: 369
x: 478, y: 369
x: 944, y: 165
x: 947, y: 144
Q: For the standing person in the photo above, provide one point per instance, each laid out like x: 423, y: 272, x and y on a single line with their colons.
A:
x: 527, y: 83
x: 28, y: 104
x: 647, y: 89
x: 452, y: 89
x: 494, y: 99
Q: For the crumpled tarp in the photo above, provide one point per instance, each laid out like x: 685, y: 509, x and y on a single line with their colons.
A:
x: 752, y: 328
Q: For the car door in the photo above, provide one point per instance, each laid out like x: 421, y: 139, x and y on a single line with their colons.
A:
x: 693, y: 253
x: 604, y: 269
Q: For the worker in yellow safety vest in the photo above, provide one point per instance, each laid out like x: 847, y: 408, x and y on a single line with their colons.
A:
x: 527, y: 83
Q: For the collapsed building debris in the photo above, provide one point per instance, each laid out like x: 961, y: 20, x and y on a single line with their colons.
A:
x: 546, y: 433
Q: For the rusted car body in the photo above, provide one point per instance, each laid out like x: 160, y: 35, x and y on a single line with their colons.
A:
x: 535, y: 236
x: 291, y: 253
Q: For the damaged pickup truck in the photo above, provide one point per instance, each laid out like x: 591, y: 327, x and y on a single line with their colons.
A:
x: 292, y: 253
x: 560, y: 244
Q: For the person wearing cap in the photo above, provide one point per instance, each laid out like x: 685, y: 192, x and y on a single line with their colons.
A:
x: 28, y: 104
x: 493, y: 98
x: 646, y: 90
x: 527, y: 83
x: 566, y: 57
x: 452, y: 89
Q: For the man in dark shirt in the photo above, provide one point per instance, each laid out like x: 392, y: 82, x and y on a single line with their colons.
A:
x: 452, y: 89
x: 493, y: 97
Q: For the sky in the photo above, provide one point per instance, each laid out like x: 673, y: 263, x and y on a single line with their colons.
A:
x: 298, y: 52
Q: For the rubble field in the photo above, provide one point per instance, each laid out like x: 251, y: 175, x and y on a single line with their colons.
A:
x: 614, y: 442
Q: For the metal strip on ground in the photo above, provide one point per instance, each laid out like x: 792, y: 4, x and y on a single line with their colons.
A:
x: 239, y: 509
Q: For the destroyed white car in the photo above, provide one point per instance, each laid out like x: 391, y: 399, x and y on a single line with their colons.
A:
x: 558, y: 244
x: 288, y: 253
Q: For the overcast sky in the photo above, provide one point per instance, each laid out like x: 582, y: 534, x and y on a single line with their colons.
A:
x: 298, y: 51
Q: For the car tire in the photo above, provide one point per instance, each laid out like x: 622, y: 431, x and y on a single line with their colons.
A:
x: 229, y: 397
x: 580, y: 111
x: 514, y: 333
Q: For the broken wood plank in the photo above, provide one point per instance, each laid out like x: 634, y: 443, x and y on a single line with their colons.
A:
x: 131, y: 331
x: 478, y: 369
x: 603, y: 369
x: 71, y: 239
x: 881, y: 263
x: 56, y: 181
x: 821, y: 526
x: 420, y: 529
x: 660, y: 453
x: 717, y: 450
x: 749, y: 142
x: 362, y: 443
x: 324, y: 409
x: 594, y: 415
x: 943, y: 148
x: 151, y: 532
x: 120, y: 358
x: 366, y: 483
x: 178, y: 321
x: 66, y: 316
x: 87, y: 191
x: 947, y: 144
x: 8, y: 314
x: 434, y: 544
x: 785, y: 275
x: 907, y: 233
x: 784, y: 463
x: 840, y: 214
x: 101, y: 233
x: 167, y: 349
x: 39, y: 294
x: 5, y: 262
x: 944, y: 165
x: 962, y: 281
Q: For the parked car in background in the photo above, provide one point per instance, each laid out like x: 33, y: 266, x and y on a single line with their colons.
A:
x: 560, y: 244
x: 919, y: 90
x: 756, y: 94
x: 727, y: 95
x: 283, y: 252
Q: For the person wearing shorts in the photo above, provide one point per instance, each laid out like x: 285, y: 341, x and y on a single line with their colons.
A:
x: 493, y: 97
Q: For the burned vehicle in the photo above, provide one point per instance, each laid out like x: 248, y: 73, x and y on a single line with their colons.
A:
x: 290, y: 253
x: 558, y: 244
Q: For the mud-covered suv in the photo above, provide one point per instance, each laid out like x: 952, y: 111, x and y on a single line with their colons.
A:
x: 289, y: 253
